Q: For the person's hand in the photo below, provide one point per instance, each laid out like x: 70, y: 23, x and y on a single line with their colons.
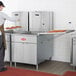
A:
x: 18, y: 27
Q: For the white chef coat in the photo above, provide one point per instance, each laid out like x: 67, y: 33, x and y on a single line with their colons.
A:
x: 4, y: 17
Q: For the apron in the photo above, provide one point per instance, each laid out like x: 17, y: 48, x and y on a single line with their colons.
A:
x: 3, y: 36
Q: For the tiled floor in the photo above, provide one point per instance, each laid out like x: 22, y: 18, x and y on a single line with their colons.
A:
x: 54, y: 67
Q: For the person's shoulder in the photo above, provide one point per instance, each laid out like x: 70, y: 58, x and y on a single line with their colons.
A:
x: 3, y: 14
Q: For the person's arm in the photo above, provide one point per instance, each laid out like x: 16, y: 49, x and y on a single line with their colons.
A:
x: 6, y: 17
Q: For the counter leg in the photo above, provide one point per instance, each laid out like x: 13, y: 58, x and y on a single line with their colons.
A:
x: 10, y: 64
x: 15, y: 64
x: 73, y: 67
x: 37, y: 67
x: 10, y: 51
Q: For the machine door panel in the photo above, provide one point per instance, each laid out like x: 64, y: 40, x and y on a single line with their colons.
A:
x: 30, y: 53
x: 45, y: 23
x: 17, y: 51
x: 22, y: 20
x: 35, y: 24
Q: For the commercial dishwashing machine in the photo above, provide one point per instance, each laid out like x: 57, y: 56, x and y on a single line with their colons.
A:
x: 31, y: 48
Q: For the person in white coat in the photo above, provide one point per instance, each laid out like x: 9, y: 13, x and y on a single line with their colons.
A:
x: 3, y: 17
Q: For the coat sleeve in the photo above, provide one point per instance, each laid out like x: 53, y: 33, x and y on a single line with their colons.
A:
x: 6, y: 17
